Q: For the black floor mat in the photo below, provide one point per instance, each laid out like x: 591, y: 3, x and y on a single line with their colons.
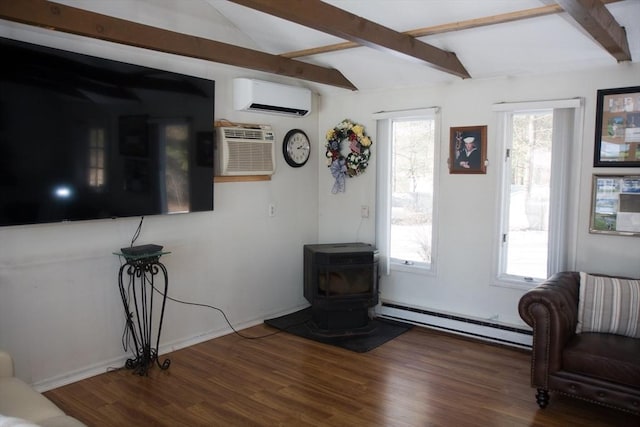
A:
x: 379, y: 331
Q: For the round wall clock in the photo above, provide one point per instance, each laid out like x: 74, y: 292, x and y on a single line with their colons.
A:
x: 296, y: 148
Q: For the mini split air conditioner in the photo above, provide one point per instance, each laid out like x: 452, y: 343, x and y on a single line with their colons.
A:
x: 245, y: 151
x: 268, y: 97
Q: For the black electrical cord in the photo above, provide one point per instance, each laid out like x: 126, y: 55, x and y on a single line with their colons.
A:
x: 137, y: 232
x: 197, y: 304
x: 125, y: 334
x: 126, y: 337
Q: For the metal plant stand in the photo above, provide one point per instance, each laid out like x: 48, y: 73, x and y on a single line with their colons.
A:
x: 141, y: 272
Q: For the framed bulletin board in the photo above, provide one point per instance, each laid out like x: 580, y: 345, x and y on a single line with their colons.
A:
x: 617, y: 141
x: 615, y: 205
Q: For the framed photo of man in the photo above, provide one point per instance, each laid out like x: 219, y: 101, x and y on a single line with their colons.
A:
x: 468, y: 150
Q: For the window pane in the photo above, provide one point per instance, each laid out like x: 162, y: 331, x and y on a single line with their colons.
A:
x: 177, y: 167
x: 96, y: 158
x: 412, y: 164
x: 528, y: 223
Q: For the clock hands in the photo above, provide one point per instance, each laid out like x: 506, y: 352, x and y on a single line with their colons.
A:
x: 296, y: 148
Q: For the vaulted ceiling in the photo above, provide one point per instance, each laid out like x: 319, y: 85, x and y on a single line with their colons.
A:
x: 356, y: 44
x: 490, y: 38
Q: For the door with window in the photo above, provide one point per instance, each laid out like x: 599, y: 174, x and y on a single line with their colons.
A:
x: 406, y: 187
x: 538, y: 144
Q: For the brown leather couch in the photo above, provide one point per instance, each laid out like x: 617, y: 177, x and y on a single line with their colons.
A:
x: 600, y: 368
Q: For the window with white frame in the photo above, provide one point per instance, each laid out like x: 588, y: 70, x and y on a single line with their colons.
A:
x: 96, y: 170
x: 406, y: 187
x: 540, y: 142
x: 173, y: 136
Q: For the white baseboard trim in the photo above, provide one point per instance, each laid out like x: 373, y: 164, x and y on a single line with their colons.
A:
x: 166, y: 348
x: 119, y: 362
x: 80, y: 374
x: 485, y: 330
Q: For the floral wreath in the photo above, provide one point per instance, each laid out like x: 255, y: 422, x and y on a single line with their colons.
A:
x: 356, y: 161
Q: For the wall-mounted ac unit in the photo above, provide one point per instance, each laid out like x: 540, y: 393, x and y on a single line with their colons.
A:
x: 267, y: 97
x: 245, y: 151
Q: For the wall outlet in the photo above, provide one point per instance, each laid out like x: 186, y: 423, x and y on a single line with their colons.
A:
x: 364, y: 211
x: 272, y: 210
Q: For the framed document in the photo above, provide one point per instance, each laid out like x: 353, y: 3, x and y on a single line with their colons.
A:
x: 615, y: 206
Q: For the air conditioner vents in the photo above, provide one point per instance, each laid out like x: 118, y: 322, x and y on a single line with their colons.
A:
x: 241, y: 133
x: 245, y: 151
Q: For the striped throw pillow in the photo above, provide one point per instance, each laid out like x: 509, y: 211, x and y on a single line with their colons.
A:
x: 609, y: 305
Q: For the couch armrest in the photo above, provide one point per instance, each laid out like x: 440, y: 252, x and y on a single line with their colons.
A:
x: 551, y: 309
x: 6, y: 364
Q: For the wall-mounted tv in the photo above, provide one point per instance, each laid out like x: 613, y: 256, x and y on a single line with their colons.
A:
x: 86, y: 138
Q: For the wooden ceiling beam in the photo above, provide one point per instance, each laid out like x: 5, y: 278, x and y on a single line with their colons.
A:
x: 440, y: 29
x: 446, y: 28
x: 72, y: 20
x: 340, y: 23
x: 595, y: 18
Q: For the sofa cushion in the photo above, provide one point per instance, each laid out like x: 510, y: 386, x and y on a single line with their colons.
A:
x: 604, y: 356
x: 609, y: 305
x: 18, y: 399
x: 6, y: 364
x: 15, y: 422
x: 61, y: 421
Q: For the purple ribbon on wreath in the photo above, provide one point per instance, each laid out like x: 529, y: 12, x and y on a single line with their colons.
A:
x: 338, y: 171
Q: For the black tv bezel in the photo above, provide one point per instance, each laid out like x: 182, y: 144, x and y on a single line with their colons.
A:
x: 201, y: 137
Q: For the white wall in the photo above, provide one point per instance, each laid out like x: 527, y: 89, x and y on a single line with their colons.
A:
x: 60, y: 310
x: 466, y: 232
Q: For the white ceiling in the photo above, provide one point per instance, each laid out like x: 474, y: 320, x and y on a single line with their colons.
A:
x: 547, y: 44
x: 551, y: 43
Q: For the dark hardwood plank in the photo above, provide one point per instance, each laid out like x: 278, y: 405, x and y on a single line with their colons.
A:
x: 422, y: 378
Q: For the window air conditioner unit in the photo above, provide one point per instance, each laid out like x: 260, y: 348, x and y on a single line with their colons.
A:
x: 245, y: 151
x: 268, y: 97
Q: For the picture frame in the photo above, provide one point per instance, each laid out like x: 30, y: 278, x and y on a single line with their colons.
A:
x: 615, y: 205
x: 204, y: 149
x: 137, y: 176
x: 617, y: 132
x: 133, y: 136
x: 462, y: 161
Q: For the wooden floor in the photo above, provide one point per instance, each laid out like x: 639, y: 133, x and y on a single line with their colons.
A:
x: 422, y: 378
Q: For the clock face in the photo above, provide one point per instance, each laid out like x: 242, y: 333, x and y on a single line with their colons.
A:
x: 296, y: 148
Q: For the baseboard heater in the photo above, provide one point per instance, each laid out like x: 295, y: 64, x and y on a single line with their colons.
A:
x: 486, y: 330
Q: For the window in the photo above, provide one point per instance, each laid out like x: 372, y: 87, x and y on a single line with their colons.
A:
x: 96, y: 177
x: 406, y: 173
x: 540, y: 152
x: 174, y: 164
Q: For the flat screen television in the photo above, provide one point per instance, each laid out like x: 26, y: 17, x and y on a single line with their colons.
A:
x: 84, y: 138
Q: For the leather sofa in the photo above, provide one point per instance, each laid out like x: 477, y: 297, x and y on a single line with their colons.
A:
x: 21, y: 405
x: 602, y: 368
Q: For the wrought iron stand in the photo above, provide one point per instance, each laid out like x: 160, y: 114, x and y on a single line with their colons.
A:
x: 141, y: 272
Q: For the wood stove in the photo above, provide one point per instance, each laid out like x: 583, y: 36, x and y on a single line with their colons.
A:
x: 341, y: 283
